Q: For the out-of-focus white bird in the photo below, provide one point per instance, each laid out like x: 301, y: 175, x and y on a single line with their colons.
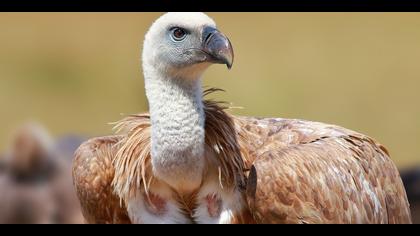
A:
x: 190, y: 162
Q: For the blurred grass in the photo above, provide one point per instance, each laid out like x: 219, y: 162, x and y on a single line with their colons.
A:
x: 75, y: 72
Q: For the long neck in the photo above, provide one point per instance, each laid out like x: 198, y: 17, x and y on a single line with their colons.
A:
x: 177, y: 137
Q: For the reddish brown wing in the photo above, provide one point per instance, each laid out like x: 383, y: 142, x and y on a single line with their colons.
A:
x: 92, y: 176
x: 308, y: 172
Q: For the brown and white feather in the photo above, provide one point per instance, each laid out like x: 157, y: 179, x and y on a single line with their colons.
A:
x: 289, y: 171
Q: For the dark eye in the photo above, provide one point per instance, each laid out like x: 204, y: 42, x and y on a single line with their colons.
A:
x: 178, y: 34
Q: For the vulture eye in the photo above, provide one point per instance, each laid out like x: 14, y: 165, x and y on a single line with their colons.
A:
x: 178, y: 34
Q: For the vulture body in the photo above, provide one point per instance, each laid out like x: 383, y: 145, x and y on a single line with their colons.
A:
x: 188, y: 161
x: 36, y: 182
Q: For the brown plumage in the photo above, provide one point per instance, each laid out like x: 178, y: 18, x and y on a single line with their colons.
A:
x: 318, y: 173
x: 300, y: 171
x: 109, y: 170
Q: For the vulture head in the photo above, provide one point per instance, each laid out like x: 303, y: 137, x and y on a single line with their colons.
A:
x: 177, y: 50
x: 183, y: 45
x: 30, y: 154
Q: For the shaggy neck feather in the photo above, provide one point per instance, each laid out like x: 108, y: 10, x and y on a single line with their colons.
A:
x: 177, y: 137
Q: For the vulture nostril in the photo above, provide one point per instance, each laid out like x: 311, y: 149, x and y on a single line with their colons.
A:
x: 207, y: 33
x: 208, y: 38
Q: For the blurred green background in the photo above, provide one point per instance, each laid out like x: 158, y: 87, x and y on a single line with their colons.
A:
x: 76, y: 72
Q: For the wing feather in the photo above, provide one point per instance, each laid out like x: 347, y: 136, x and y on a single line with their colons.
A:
x: 93, y: 173
x: 309, y: 172
x: 299, y: 172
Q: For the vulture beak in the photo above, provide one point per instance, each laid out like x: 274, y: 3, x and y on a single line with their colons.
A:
x: 217, y: 46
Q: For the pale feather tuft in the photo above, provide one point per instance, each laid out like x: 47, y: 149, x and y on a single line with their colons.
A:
x: 132, y: 162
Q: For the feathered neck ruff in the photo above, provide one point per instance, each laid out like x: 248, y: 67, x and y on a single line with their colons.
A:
x: 132, y: 163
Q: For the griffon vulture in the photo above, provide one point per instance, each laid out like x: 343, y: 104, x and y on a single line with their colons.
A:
x: 36, y: 184
x: 188, y: 161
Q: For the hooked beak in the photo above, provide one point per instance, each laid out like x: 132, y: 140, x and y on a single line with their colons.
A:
x: 217, y: 46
